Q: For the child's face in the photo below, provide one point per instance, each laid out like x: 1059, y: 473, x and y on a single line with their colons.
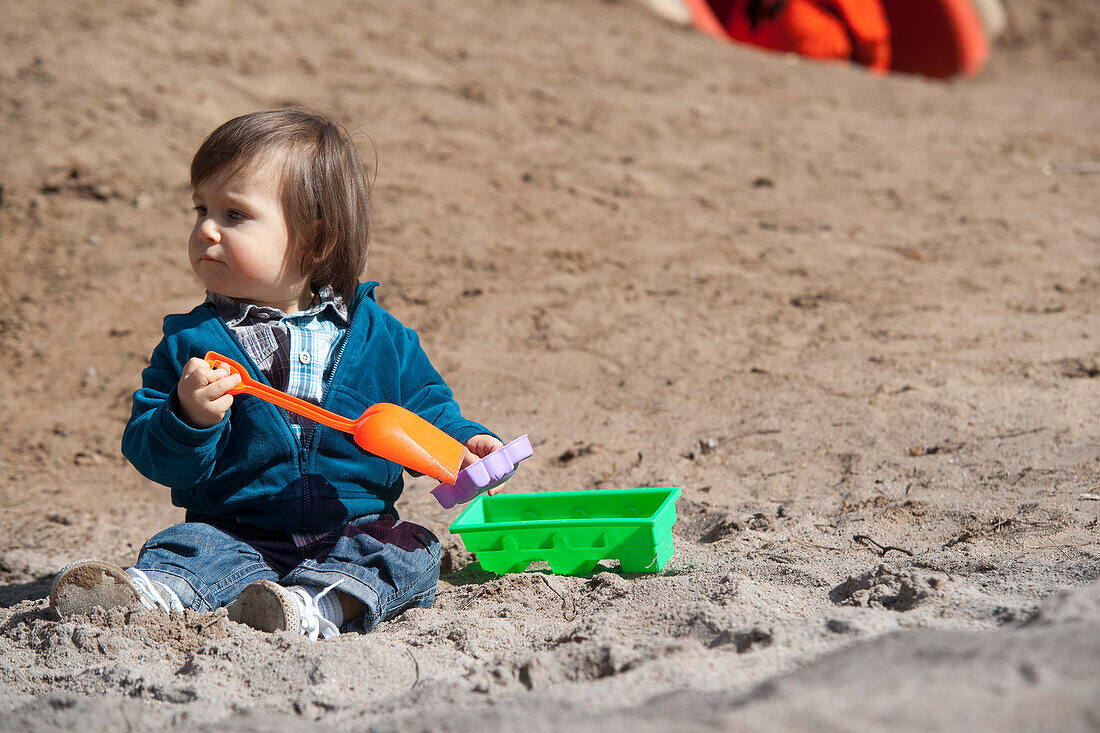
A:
x: 241, y: 245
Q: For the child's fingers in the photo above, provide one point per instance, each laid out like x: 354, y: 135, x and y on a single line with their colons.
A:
x: 221, y: 368
x: 204, y: 392
x: 482, y: 445
x: 191, y: 371
x: 221, y: 404
x: 210, y: 376
x: 197, y: 374
x: 220, y: 386
x: 468, y: 457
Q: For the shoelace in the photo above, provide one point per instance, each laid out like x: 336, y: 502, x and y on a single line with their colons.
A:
x: 314, y: 623
x: 153, y: 593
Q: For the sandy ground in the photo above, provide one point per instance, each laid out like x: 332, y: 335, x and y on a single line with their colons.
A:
x: 854, y: 317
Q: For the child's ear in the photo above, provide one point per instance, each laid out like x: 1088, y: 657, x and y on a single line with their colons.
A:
x: 307, y: 244
x: 307, y: 235
x: 313, y: 230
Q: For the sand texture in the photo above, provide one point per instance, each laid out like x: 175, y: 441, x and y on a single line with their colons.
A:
x: 855, y: 318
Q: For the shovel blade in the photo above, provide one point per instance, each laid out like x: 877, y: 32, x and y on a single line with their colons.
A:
x: 399, y: 435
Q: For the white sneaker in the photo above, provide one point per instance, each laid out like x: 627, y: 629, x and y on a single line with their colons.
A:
x: 86, y: 584
x: 268, y: 606
x: 153, y: 593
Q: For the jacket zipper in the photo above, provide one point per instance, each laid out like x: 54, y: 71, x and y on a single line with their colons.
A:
x: 311, y: 438
x: 326, y: 387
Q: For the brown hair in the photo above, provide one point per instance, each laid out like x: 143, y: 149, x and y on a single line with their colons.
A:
x: 326, y: 191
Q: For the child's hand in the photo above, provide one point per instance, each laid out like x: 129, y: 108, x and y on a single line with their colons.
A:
x: 203, y: 392
x: 477, y: 448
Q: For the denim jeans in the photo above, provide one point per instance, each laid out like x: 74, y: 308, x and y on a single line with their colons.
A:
x: 386, y: 563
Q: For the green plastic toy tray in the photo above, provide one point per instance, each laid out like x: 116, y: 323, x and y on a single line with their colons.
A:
x: 571, y: 530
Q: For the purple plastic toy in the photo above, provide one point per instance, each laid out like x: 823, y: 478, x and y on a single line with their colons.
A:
x: 490, y: 472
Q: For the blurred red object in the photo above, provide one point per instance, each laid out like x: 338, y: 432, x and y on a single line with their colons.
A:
x: 854, y: 30
x: 937, y: 38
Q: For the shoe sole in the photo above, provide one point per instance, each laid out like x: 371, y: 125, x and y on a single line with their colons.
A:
x: 264, y: 606
x: 87, y: 584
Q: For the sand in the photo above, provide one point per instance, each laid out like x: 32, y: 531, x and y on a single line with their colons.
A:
x: 853, y: 317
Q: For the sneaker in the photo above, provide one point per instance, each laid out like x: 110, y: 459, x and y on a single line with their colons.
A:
x: 267, y: 606
x: 86, y: 584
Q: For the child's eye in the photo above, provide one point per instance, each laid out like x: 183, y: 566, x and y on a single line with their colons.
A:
x: 200, y: 210
x: 235, y: 215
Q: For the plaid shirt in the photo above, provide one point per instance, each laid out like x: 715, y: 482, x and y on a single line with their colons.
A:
x: 294, y: 351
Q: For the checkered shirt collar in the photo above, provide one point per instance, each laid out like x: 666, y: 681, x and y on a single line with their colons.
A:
x: 238, y: 313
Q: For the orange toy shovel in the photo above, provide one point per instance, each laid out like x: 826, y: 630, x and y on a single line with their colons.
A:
x: 386, y: 430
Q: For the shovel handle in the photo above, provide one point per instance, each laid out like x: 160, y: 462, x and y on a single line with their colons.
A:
x: 298, y: 406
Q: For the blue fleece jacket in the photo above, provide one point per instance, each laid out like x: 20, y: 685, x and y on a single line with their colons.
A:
x: 250, y: 466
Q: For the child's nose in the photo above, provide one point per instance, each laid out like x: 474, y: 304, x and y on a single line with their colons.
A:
x: 209, y: 230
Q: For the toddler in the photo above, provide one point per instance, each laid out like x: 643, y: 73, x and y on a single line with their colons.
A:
x: 289, y: 523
